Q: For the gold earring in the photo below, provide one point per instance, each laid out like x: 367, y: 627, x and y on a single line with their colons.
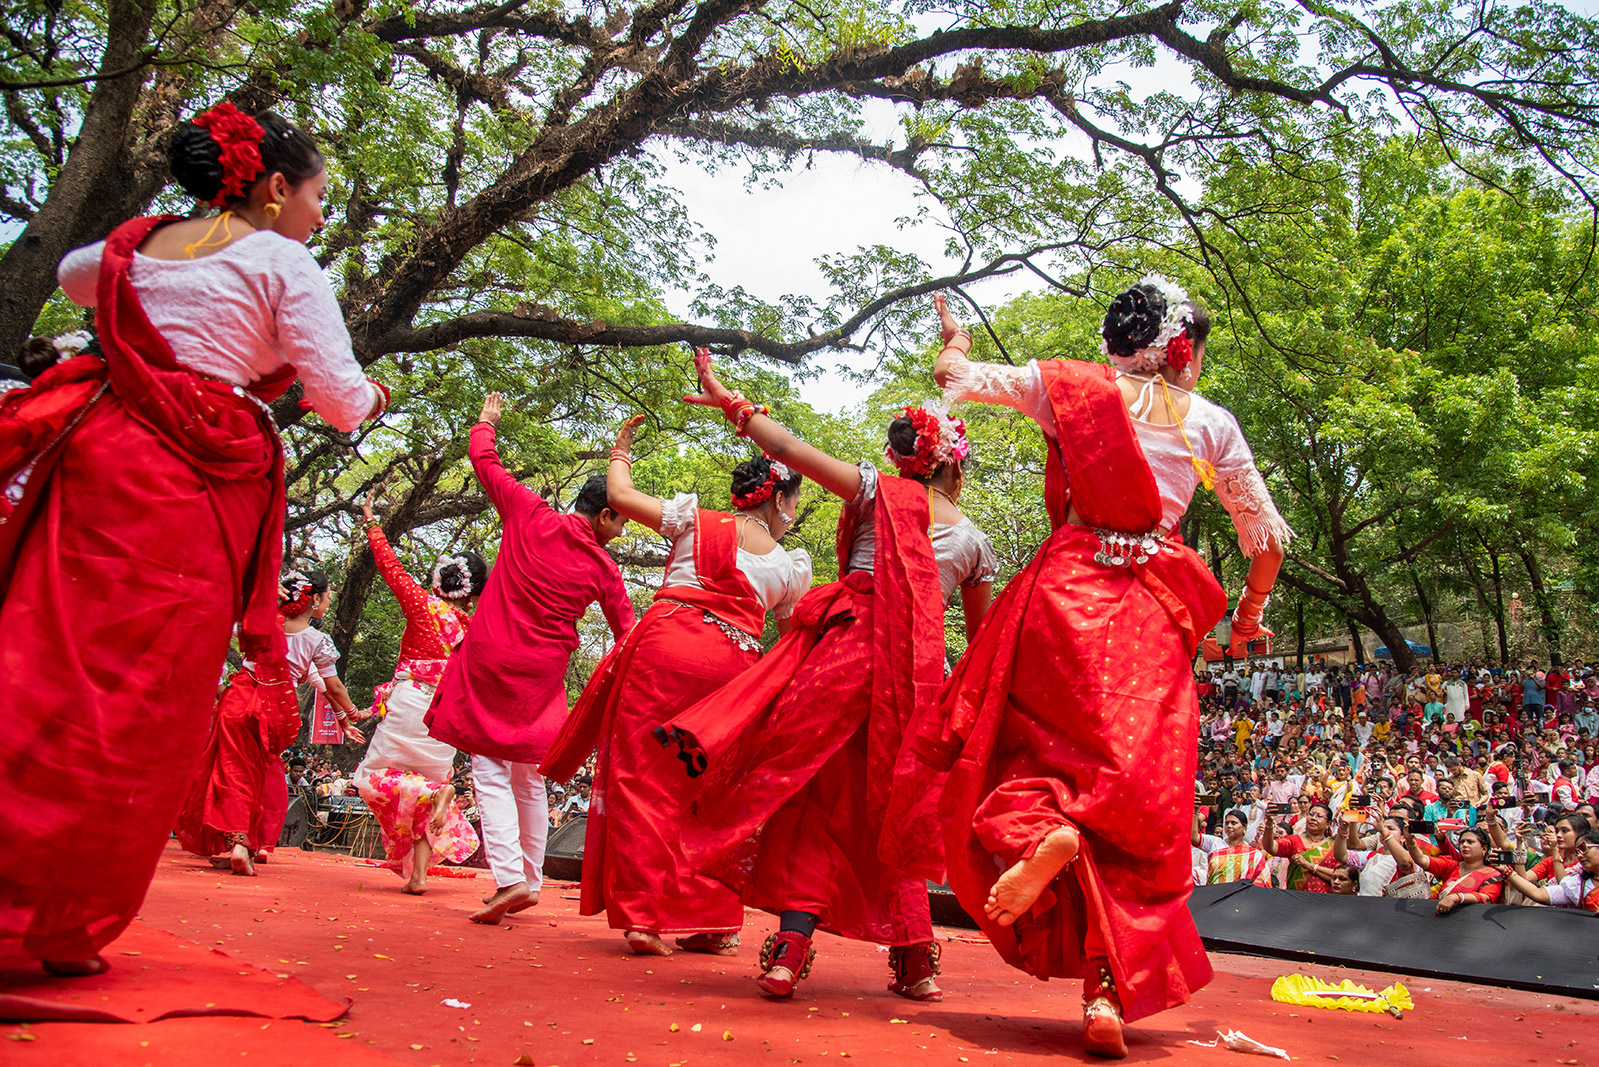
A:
x: 273, y: 210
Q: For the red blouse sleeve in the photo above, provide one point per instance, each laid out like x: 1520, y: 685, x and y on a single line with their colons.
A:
x: 1442, y: 868
x: 413, y: 599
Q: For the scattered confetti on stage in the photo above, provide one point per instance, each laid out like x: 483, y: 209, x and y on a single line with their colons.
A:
x: 549, y: 988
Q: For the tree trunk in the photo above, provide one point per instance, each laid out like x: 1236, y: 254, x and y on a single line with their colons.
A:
x: 1355, y: 643
x: 1299, y: 625
x: 97, y: 187
x: 1499, y: 610
x: 1552, y: 623
x: 1484, y: 608
x: 1426, y: 613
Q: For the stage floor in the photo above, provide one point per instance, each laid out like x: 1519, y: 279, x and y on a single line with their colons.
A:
x: 553, y: 989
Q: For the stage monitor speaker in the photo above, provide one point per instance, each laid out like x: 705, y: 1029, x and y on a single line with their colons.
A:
x: 296, y: 824
x: 947, y: 910
x: 563, y: 855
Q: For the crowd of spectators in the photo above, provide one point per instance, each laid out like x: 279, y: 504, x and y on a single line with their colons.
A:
x: 1461, y: 783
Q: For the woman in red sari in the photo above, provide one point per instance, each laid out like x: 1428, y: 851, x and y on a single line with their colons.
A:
x: 1075, y: 705
x: 239, y: 800
x: 1468, y: 880
x: 141, y: 494
x: 405, y: 775
x: 809, y: 806
x: 723, y: 574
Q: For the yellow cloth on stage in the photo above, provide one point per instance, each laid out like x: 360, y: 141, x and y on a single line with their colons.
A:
x: 1314, y: 993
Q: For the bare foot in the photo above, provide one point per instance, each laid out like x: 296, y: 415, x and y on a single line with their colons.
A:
x: 503, y: 901
x: 261, y: 855
x: 417, y: 884
x: 1018, y: 888
x: 441, y: 808
x: 76, y: 968
x: 646, y: 944
x: 241, y: 861
x: 711, y: 944
x: 532, y: 901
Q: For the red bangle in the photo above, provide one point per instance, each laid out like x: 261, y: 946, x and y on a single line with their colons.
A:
x: 383, y: 394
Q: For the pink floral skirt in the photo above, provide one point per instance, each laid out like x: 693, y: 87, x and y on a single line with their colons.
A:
x: 402, y: 802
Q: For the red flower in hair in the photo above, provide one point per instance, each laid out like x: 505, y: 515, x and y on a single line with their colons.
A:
x: 929, y: 437
x: 239, y: 137
x: 1179, y: 351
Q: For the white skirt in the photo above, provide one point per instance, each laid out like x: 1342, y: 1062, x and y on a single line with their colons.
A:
x: 401, y: 741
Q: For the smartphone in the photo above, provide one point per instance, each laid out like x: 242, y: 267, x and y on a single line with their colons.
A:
x: 1422, y: 826
x: 1360, y: 800
x: 1280, y: 809
x: 1503, y: 857
x: 1205, y: 798
x: 1506, y: 802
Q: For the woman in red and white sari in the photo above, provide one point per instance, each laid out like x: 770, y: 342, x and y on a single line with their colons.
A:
x: 142, y: 498
x: 724, y: 572
x: 1468, y: 880
x: 405, y: 776
x: 1075, y: 704
x: 810, y: 803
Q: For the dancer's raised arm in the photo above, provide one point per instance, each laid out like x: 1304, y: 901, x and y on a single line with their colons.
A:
x: 755, y: 422
x: 626, y: 500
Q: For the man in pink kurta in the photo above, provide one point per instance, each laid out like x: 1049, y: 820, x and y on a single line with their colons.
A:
x: 503, y: 695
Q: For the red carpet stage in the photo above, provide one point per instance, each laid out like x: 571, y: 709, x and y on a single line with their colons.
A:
x: 261, y: 956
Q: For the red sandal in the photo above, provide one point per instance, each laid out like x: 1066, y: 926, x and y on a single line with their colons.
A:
x: 915, y: 967
x: 786, y: 957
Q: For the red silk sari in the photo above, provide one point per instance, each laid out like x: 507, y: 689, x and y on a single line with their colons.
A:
x: 150, y: 523
x: 809, y: 800
x: 1075, y: 705
x: 633, y: 865
x: 241, y: 787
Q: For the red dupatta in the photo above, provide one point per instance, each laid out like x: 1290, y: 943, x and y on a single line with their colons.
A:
x: 724, y: 591
x: 209, y: 423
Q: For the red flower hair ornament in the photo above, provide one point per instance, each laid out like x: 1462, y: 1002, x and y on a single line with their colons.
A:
x: 763, y: 492
x: 239, y: 137
x: 940, y: 439
x: 295, y: 594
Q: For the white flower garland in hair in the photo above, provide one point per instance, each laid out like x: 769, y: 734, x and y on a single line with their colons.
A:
x: 70, y: 344
x: 292, y: 585
x: 438, y: 576
x: 1179, y: 313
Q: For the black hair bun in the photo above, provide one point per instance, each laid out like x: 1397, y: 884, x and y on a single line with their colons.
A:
x: 1133, y: 320
x: 902, y: 436
x: 196, y: 161
x: 752, y: 474
x: 460, y: 576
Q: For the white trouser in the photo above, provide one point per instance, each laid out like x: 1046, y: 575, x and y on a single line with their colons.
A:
x: 516, y: 819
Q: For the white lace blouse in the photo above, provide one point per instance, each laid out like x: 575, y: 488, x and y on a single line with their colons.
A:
x: 312, y: 657
x: 1211, y: 429
x: 241, y: 313
x: 964, y: 553
x: 780, y: 577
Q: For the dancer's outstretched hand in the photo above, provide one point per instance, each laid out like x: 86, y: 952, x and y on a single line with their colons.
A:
x: 712, y: 392
x: 948, y: 328
x: 366, y: 506
x: 1239, y: 649
x: 629, y: 431
x: 491, y: 410
x: 353, y: 733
